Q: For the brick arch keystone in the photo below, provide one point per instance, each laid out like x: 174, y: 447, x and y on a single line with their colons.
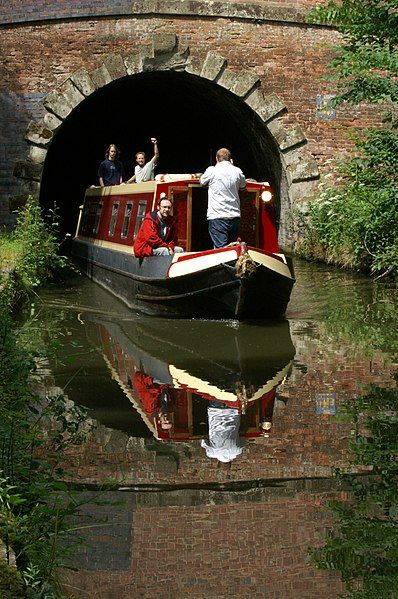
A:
x: 299, y: 165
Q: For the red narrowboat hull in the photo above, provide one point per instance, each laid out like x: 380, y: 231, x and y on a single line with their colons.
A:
x: 234, y: 282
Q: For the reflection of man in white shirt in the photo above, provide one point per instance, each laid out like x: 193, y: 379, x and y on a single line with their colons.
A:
x: 145, y: 171
x: 223, y: 209
x: 224, y: 442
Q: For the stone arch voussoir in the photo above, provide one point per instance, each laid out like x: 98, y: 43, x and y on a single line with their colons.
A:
x: 165, y: 54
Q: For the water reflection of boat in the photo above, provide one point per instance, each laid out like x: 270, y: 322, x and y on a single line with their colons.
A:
x: 168, y: 368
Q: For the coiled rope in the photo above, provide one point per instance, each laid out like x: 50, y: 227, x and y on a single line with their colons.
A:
x: 245, y: 266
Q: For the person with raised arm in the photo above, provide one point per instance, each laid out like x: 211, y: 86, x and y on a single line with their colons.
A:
x: 145, y: 171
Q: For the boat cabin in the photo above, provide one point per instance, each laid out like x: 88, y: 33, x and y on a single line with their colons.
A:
x: 112, y: 216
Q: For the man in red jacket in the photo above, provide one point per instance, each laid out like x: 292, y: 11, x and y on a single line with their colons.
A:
x: 158, y: 233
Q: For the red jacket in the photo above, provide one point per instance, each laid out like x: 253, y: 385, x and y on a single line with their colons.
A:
x: 148, y: 237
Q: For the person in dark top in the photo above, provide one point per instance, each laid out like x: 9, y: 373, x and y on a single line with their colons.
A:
x: 158, y: 233
x: 111, y: 170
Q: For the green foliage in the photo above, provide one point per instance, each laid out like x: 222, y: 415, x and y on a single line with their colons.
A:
x: 34, y: 431
x: 12, y: 585
x: 39, y: 257
x: 35, y: 505
x: 364, y: 544
x: 30, y: 252
x: 355, y: 224
x: 9, y: 251
x: 366, y: 63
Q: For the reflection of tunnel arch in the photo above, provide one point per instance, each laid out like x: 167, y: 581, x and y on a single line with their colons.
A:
x: 191, y: 112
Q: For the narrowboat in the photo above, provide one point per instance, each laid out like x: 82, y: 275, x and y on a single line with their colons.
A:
x: 245, y: 280
x: 171, y: 366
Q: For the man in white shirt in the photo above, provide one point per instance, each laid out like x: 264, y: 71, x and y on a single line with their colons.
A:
x: 224, y: 442
x: 223, y: 209
x: 145, y: 171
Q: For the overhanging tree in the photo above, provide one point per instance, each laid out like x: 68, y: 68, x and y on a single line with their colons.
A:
x: 357, y: 225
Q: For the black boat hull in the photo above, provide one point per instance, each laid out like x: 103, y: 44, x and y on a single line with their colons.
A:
x: 213, y: 292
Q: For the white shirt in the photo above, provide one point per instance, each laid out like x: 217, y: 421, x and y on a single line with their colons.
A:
x: 146, y: 172
x: 224, y: 180
x: 224, y: 442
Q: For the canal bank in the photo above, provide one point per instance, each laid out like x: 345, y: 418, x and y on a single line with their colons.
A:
x: 33, y: 506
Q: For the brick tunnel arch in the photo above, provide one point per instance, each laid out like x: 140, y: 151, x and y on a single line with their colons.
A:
x: 192, y: 109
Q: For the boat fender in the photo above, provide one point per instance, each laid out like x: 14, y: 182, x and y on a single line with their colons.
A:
x: 245, y: 265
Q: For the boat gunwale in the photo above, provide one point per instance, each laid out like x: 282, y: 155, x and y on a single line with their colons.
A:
x: 229, y: 263
x: 149, y: 279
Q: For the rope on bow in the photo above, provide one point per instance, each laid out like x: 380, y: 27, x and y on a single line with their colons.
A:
x: 245, y: 266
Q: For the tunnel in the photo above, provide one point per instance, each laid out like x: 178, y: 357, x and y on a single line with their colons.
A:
x: 190, y: 116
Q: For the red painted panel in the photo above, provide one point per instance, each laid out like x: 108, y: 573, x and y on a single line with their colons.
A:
x: 268, y: 238
x: 263, y: 219
x: 106, y: 214
x: 249, y: 217
x: 180, y: 212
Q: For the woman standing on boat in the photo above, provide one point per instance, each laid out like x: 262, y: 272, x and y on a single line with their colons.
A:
x: 111, y: 170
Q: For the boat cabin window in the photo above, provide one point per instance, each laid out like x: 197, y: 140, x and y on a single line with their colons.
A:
x: 140, y: 216
x: 126, y: 220
x: 89, y: 218
x: 97, y: 216
x: 112, y: 224
x: 86, y: 212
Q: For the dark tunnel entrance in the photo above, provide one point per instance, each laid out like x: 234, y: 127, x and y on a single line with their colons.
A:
x: 191, y: 118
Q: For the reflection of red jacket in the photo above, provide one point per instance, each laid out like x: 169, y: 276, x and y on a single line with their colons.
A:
x: 149, y: 238
x: 149, y: 393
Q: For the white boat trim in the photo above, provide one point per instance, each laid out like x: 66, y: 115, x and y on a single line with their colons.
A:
x: 271, y: 263
x: 110, y: 245
x: 200, y: 262
x: 121, y: 190
x: 183, y: 380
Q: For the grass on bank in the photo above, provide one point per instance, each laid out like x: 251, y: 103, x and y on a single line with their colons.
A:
x: 30, y: 252
x: 356, y: 225
x: 10, y: 250
x: 34, y: 430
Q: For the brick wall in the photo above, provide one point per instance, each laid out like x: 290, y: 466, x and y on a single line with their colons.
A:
x: 224, y: 545
x: 18, y: 11
x: 16, y: 110
x: 289, y: 57
x: 22, y: 11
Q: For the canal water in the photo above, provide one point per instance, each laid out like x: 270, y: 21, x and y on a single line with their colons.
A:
x: 221, y: 438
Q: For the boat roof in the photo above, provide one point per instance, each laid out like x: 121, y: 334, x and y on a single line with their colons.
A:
x: 164, y: 182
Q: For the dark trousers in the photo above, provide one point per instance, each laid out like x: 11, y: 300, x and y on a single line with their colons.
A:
x: 223, y: 231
